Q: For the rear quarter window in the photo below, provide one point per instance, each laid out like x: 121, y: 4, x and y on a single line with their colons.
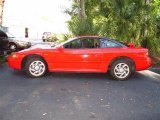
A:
x: 104, y: 43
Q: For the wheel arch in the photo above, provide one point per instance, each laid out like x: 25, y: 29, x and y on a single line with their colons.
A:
x: 32, y: 56
x: 123, y: 58
x: 12, y: 43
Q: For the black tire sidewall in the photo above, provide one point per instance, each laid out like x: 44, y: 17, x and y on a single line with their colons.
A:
x: 27, y: 65
x: 117, y: 62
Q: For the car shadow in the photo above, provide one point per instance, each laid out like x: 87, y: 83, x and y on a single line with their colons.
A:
x: 67, y: 76
x: 76, y: 76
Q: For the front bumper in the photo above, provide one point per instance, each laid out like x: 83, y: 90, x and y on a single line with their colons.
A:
x: 14, y: 62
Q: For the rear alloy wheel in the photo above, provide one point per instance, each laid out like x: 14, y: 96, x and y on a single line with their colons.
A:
x: 121, y: 69
x: 13, y: 47
x: 35, y: 67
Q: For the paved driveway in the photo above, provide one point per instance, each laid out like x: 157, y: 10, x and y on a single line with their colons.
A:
x: 70, y: 96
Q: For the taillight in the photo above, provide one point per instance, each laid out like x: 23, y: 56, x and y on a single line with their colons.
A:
x: 146, y: 54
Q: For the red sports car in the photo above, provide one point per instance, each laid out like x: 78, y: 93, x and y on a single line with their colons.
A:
x: 82, y: 54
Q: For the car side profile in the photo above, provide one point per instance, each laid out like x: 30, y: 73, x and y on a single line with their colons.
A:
x: 9, y: 42
x: 82, y: 54
x: 17, y: 43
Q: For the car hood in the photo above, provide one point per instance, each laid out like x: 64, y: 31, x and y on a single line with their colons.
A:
x: 42, y: 46
x: 38, y: 48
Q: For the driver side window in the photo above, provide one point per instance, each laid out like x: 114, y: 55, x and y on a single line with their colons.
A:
x: 75, y: 44
x: 83, y: 43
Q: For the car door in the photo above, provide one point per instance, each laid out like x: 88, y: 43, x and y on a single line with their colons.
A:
x: 80, y: 55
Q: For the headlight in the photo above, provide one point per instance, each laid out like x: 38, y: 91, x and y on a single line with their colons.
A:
x: 14, y: 55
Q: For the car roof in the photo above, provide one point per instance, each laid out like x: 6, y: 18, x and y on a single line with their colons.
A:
x: 89, y: 36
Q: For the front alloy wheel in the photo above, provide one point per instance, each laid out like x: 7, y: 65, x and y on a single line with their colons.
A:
x: 35, y: 67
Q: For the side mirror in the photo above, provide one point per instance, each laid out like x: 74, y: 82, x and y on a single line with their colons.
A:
x: 60, y: 48
x: 131, y: 45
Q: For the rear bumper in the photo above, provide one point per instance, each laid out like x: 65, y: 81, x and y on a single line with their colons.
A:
x: 143, y: 65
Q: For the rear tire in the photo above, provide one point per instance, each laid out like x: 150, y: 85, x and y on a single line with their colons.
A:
x: 121, y: 69
x: 35, y: 67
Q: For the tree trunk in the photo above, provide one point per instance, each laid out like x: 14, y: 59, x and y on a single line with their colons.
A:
x: 1, y: 11
x: 81, y: 4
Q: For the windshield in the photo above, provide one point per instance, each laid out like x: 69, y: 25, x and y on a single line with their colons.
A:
x: 10, y: 35
x: 60, y: 44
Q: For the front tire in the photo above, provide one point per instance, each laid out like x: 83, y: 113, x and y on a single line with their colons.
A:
x: 121, y: 69
x: 13, y: 46
x: 35, y: 67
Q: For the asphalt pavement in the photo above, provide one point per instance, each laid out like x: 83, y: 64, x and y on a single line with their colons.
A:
x: 78, y: 96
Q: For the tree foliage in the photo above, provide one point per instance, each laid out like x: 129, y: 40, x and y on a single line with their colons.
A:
x: 135, y: 21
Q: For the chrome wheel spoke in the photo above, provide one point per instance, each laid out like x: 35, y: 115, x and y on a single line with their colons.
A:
x: 117, y: 69
x: 36, y: 72
x: 123, y: 74
x: 36, y: 63
x: 32, y: 69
